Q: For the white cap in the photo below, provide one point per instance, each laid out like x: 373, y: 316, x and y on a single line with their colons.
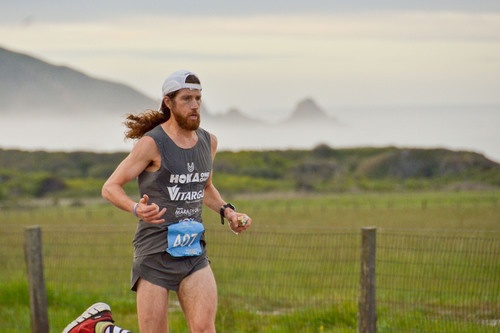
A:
x: 177, y: 81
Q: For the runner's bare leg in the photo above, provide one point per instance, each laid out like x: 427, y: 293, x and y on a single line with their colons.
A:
x: 152, y: 307
x: 198, y: 297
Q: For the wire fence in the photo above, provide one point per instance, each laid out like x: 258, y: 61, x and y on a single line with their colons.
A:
x: 445, y: 280
x: 448, y: 278
x: 427, y: 280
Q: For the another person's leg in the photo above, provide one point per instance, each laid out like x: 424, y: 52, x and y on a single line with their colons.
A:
x: 198, y: 298
x: 152, y: 307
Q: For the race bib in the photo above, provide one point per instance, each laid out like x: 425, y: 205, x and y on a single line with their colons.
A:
x: 184, y: 238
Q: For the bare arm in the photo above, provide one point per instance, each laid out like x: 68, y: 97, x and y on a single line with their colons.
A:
x: 144, y: 155
x: 214, y: 201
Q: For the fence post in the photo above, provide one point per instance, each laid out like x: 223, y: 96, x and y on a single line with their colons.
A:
x: 367, y: 312
x: 36, y: 280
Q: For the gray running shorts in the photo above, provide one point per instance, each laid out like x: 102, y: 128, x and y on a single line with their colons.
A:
x: 166, y: 271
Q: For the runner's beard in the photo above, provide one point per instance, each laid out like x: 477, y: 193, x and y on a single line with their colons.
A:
x: 186, y: 122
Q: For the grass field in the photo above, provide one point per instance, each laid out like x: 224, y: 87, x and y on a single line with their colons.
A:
x: 296, y: 270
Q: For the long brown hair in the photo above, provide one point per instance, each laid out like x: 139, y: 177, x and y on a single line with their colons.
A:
x: 139, y: 124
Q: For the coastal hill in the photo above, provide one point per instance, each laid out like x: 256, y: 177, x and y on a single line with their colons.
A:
x: 31, y: 85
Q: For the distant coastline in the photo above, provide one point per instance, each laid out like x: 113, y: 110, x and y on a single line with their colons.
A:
x: 474, y: 129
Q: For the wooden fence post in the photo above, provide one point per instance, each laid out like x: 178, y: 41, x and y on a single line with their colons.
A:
x: 367, y: 312
x: 36, y: 280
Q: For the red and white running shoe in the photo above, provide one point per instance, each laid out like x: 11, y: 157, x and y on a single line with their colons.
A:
x: 86, y: 322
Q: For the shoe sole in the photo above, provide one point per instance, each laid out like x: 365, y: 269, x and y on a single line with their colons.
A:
x: 91, y: 311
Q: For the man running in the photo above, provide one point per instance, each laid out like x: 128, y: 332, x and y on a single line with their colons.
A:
x: 172, y: 160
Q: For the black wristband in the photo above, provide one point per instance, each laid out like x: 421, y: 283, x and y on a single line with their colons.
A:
x: 223, y: 209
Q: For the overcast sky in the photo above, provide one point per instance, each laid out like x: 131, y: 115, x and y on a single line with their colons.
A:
x: 260, y: 56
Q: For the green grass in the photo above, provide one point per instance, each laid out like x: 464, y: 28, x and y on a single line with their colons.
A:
x: 297, y: 270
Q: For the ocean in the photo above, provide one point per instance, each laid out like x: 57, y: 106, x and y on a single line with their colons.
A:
x: 471, y: 128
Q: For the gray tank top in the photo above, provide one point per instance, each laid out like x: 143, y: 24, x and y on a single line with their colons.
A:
x: 179, y: 185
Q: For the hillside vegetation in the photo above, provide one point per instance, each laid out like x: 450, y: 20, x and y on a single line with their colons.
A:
x: 41, y: 174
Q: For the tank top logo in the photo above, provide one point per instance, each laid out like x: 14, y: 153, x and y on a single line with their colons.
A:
x: 190, y: 166
x: 177, y: 195
x: 189, y: 178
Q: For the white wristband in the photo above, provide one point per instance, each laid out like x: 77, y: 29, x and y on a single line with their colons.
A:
x: 135, y: 209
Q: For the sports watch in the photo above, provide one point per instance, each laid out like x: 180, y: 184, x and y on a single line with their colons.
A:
x: 223, y: 209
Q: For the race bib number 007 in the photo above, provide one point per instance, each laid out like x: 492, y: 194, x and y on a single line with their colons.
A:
x: 184, y: 238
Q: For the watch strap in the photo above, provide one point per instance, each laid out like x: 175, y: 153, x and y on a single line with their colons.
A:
x: 223, y: 209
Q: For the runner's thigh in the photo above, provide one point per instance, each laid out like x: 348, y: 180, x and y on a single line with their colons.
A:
x: 198, y: 297
x: 152, y: 307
